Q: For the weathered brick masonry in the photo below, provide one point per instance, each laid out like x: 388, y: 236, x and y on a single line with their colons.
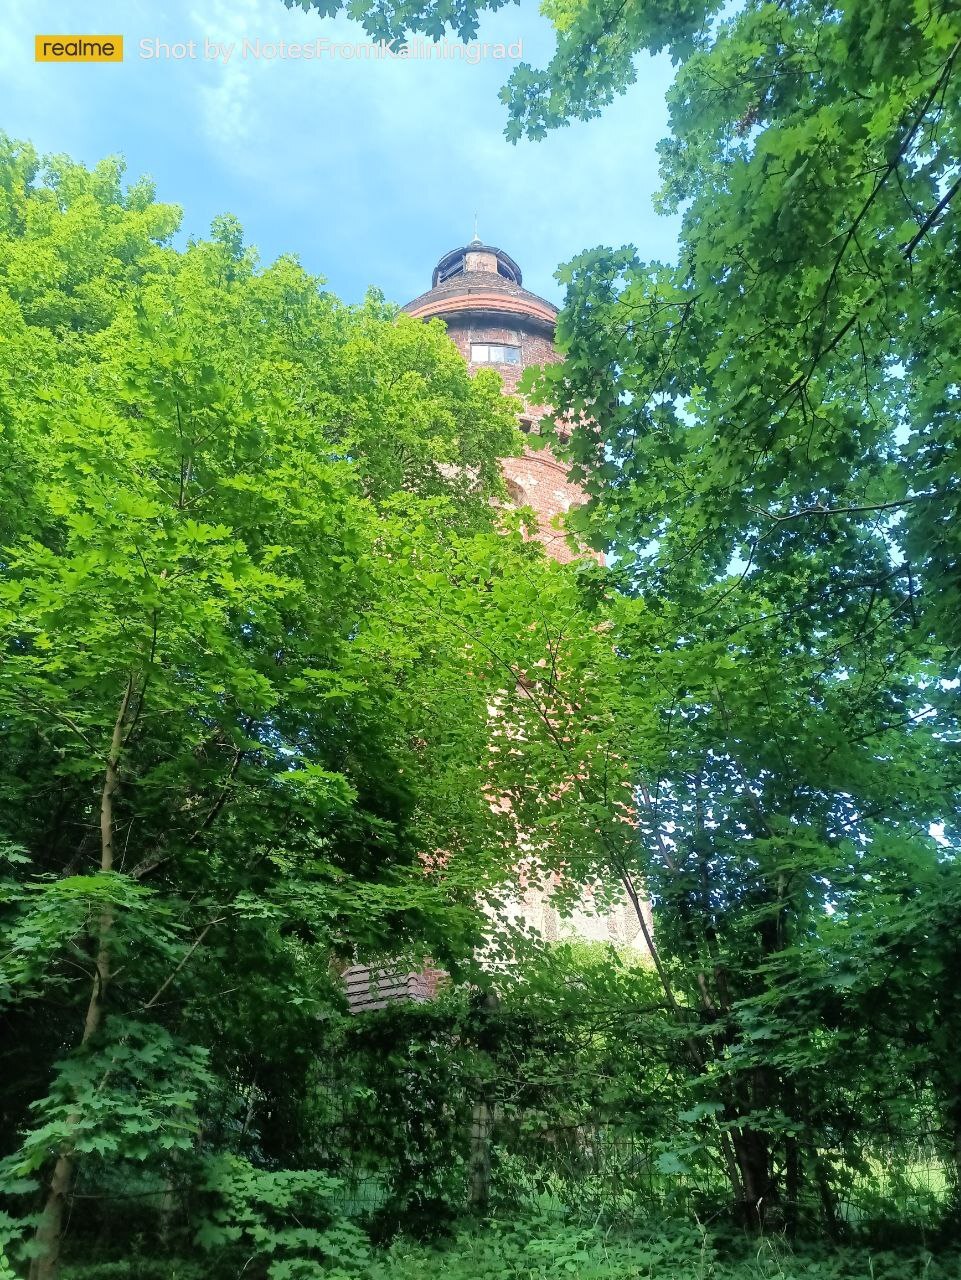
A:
x: 477, y: 290
x: 494, y: 321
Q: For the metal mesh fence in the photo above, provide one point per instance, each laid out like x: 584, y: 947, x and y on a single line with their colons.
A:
x: 476, y: 1154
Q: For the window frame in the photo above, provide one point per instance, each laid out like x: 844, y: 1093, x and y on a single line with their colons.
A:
x: 489, y: 347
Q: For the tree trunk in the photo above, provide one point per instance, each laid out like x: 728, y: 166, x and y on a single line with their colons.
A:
x: 754, y: 1163
x: 832, y: 1224
x: 793, y: 1166
x: 45, y: 1264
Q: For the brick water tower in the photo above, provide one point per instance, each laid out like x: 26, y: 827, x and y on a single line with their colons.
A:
x: 478, y: 292
x: 493, y: 320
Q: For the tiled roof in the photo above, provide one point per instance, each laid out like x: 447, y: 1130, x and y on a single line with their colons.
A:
x: 469, y: 282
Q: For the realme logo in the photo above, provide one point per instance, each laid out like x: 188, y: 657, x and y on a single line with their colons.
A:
x: 78, y: 48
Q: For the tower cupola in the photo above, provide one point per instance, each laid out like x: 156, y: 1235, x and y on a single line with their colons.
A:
x: 476, y: 258
x: 481, y: 286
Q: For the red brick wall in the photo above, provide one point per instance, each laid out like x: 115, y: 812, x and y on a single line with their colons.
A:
x: 537, y: 479
x: 536, y: 347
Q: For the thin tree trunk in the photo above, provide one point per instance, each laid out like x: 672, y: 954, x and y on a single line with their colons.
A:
x: 737, y: 1161
x: 753, y: 1158
x: 826, y: 1193
x: 793, y: 1166
x: 792, y: 1185
x: 45, y: 1264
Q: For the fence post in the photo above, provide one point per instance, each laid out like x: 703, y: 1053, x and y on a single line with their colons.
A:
x: 480, y: 1156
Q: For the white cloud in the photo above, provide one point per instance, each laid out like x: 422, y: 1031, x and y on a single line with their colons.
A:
x: 227, y: 108
x: 369, y: 169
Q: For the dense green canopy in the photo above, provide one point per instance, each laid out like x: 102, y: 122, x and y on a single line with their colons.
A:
x: 270, y: 648
x: 255, y: 609
x: 768, y: 429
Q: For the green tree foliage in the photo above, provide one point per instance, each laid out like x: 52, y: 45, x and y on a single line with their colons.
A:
x: 763, y: 428
x: 266, y: 659
x: 768, y: 430
x: 253, y: 604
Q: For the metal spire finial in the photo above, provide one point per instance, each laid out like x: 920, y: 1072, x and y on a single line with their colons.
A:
x: 476, y: 239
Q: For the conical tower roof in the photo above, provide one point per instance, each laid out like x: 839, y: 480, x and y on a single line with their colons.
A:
x: 481, y: 279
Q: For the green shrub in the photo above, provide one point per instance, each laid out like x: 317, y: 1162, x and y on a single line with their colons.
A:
x: 281, y: 1224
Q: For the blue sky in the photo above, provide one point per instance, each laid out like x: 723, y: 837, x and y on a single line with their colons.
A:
x: 367, y: 170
